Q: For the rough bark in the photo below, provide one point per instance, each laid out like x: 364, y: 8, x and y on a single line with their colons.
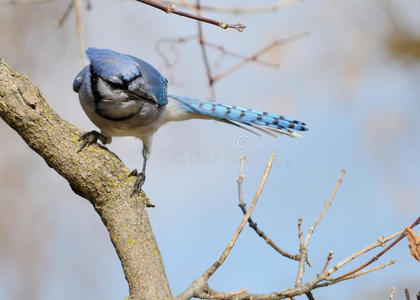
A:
x: 96, y: 174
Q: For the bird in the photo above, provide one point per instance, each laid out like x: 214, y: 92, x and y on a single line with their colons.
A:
x: 126, y: 96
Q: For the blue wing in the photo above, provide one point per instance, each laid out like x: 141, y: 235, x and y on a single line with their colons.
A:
x: 122, y: 68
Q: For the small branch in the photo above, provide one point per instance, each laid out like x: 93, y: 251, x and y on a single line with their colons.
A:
x: 326, y: 206
x: 201, y: 284
x: 407, y: 294
x: 171, y: 8
x: 329, y: 257
x: 240, y: 180
x: 245, y: 10
x: 79, y: 27
x: 22, y: 2
x: 355, y: 275
x: 173, y: 49
x: 304, y: 247
x: 200, y: 288
x: 257, y: 54
x: 68, y: 10
x: 251, y: 223
x: 309, y: 295
x: 229, y: 247
x: 66, y: 13
x: 376, y: 257
x: 300, y: 234
x: 225, y: 51
x: 216, y: 295
x: 208, y: 44
x: 391, y: 296
x: 203, y: 44
x: 204, y: 54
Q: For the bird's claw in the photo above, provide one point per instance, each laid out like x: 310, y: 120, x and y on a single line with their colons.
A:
x: 133, y: 173
x: 90, y: 138
x: 139, y: 183
x: 149, y: 203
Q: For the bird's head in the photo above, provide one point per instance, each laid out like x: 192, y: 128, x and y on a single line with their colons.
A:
x: 119, y: 84
x: 118, y: 77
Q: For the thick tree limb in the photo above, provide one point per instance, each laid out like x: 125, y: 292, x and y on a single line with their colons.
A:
x: 96, y: 174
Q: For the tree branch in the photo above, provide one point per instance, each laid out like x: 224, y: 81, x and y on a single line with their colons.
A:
x: 252, y: 224
x: 242, y: 9
x: 204, y: 55
x: 96, y: 174
x: 171, y: 9
x: 199, y: 288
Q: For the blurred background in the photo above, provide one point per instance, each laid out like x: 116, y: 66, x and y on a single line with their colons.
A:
x: 354, y: 80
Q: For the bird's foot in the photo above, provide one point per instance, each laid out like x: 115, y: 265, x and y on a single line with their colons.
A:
x: 133, y: 173
x: 139, y: 182
x: 138, y: 185
x: 149, y: 203
x: 90, y: 138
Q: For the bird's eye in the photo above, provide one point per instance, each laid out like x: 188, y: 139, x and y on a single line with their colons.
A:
x: 115, y: 82
x: 115, y: 85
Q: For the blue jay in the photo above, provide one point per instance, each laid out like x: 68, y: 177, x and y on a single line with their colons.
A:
x: 126, y: 96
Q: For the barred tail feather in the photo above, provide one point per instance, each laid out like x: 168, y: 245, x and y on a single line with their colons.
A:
x: 266, y: 122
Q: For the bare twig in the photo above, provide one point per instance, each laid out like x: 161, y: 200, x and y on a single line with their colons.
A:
x: 200, y: 285
x: 204, y: 54
x: 304, y: 248
x: 337, y: 279
x: 251, y: 223
x: 391, y: 296
x: 225, y: 51
x: 161, y: 42
x: 376, y: 257
x: 200, y: 288
x: 381, y: 241
x: 309, y: 295
x: 407, y: 294
x: 79, y: 28
x: 23, y: 2
x: 226, y: 295
x: 206, y: 43
x: 171, y: 8
x: 66, y: 13
x: 290, y: 293
x: 326, y: 206
x: 240, y: 179
x: 243, y: 10
x: 257, y: 54
x: 300, y: 234
x: 229, y: 247
x: 329, y: 257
